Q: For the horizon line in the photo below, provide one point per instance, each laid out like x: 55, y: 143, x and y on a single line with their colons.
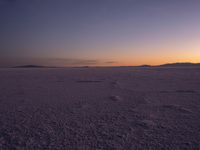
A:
x: 93, y: 66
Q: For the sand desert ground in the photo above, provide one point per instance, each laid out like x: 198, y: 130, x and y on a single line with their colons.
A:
x: 120, y: 108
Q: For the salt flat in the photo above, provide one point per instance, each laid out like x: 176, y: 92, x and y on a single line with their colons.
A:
x: 100, y: 108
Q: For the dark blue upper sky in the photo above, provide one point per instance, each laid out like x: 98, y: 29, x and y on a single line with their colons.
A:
x: 99, y: 32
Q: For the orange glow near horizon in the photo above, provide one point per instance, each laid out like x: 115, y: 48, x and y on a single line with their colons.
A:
x: 99, y: 33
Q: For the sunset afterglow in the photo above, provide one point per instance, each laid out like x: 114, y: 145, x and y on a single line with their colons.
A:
x: 99, y: 33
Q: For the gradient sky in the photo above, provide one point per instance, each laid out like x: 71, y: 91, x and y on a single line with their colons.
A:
x: 99, y: 32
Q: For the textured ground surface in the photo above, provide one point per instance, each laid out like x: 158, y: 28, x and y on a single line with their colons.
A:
x: 100, y: 108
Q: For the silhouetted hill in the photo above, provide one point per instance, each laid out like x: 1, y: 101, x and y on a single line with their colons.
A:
x: 144, y: 66
x: 181, y: 65
x: 30, y: 66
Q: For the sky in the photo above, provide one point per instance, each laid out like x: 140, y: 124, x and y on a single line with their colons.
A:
x: 99, y: 32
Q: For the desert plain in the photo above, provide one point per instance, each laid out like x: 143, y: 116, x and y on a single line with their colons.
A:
x: 113, y: 108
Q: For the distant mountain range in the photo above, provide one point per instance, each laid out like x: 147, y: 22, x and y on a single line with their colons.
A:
x: 181, y: 65
x: 33, y: 66
x: 174, y: 65
x: 145, y: 66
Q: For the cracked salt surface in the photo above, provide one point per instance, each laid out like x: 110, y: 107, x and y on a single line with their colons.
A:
x: 100, y: 108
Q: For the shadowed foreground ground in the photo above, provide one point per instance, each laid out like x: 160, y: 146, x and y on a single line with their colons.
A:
x: 100, y: 108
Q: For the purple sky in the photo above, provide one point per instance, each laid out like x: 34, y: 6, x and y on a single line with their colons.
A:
x: 99, y: 32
